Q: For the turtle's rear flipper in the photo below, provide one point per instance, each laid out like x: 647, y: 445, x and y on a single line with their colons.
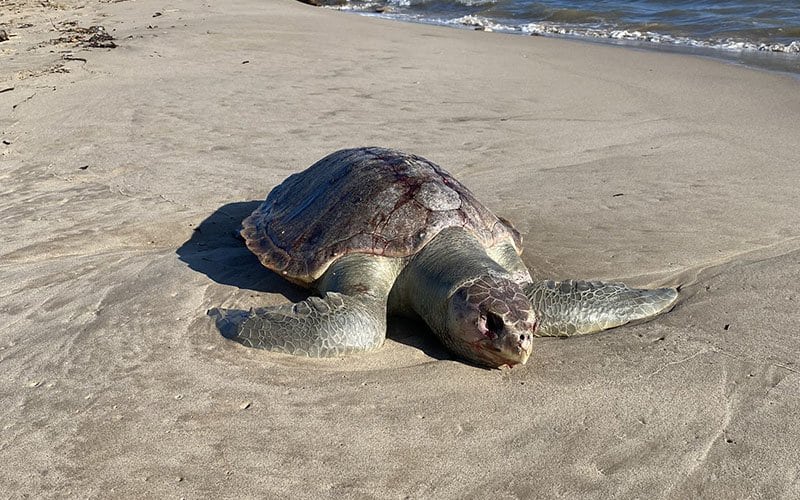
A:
x: 333, y: 325
x: 566, y: 308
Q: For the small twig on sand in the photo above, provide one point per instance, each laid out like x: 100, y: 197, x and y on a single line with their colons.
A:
x: 9, y: 89
x: 24, y: 101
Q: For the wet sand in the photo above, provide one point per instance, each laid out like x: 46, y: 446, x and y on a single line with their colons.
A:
x: 125, y: 172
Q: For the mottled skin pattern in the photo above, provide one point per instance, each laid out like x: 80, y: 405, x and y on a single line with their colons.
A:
x: 376, y: 232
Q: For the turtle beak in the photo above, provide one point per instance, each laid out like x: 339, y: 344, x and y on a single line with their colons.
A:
x: 523, y: 347
x: 510, y: 350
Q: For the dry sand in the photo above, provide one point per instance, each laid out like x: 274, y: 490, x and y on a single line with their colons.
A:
x: 124, y: 176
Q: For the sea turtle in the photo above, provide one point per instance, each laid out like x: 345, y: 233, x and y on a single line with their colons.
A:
x: 376, y: 231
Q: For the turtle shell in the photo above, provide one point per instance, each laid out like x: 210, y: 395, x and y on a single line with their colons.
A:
x: 366, y: 200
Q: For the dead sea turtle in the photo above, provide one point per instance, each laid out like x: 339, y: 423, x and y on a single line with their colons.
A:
x: 377, y: 231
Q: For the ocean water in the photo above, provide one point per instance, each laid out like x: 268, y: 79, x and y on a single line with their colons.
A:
x: 763, y: 33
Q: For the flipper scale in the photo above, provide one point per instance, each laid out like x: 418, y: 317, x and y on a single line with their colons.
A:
x: 573, y: 307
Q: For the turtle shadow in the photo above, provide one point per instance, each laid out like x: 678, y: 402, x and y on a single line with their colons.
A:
x: 216, y: 250
x: 416, y: 334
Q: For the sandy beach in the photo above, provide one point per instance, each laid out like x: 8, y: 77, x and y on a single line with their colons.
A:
x: 125, y: 172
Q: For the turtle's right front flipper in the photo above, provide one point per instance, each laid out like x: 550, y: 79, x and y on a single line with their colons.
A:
x: 333, y: 325
x: 566, y: 308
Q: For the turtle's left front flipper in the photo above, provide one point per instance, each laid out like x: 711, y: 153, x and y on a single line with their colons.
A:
x: 349, y: 315
x: 566, y: 308
x: 332, y: 325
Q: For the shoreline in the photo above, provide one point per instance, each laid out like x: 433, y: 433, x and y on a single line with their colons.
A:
x: 763, y: 60
x: 127, y: 170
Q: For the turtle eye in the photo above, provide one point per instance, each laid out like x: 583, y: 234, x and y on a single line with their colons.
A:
x: 494, y: 324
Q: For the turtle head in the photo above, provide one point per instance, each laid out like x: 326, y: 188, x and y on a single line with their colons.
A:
x: 490, y: 322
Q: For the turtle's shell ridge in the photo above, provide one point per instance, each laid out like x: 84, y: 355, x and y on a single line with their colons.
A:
x: 368, y: 200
